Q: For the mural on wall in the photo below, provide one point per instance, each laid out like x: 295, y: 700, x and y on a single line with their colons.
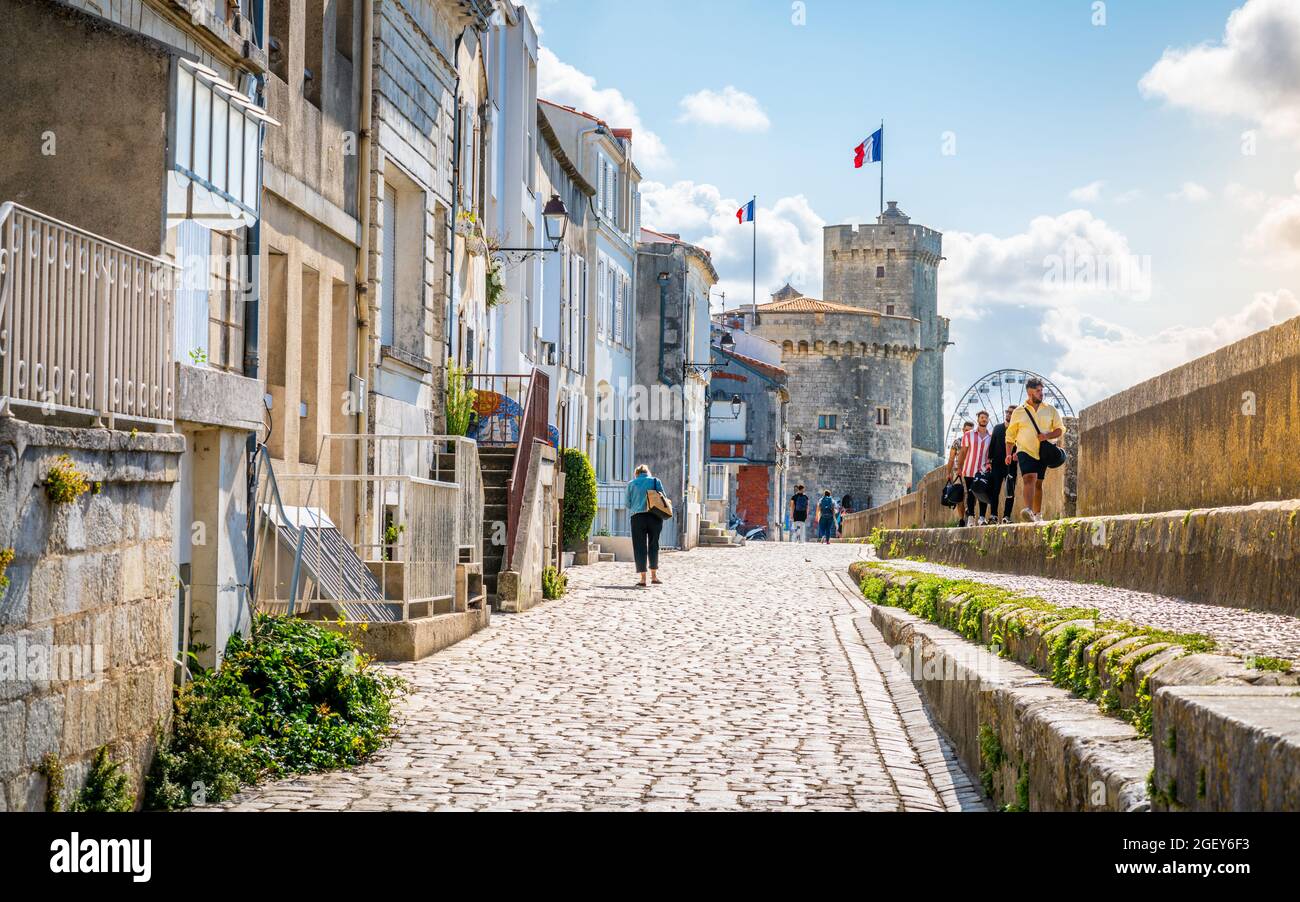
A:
x: 497, y: 419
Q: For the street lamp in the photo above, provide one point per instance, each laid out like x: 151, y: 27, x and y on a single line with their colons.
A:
x: 557, y: 220
x: 727, y: 343
x: 798, y: 445
x: 556, y: 217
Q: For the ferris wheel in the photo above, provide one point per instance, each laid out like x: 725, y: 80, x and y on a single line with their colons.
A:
x: 996, y: 392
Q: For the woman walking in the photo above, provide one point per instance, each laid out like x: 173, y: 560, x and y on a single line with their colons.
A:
x: 826, y: 518
x: 646, y: 524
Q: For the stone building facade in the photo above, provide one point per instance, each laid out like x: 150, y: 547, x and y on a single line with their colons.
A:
x: 866, y: 365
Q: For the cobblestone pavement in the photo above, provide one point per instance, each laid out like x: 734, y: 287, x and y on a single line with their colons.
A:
x: 1236, y: 630
x: 741, y: 683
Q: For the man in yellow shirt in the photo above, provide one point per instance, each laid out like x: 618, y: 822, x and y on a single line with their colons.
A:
x: 1028, y: 441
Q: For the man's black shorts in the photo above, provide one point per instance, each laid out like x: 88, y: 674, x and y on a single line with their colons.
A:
x: 1031, y: 466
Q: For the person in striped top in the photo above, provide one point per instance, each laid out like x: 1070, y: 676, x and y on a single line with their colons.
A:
x: 972, y: 460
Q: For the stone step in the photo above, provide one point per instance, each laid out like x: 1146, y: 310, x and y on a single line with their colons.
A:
x: 719, y: 542
x: 607, y: 557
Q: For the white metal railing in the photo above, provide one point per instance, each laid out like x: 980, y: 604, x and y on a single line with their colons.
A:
x: 611, y: 510
x: 85, y: 323
x: 420, y: 506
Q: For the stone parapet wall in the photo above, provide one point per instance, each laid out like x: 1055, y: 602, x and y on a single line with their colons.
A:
x: 1215, y: 432
x: 88, y: 624
x: 1244, y: 557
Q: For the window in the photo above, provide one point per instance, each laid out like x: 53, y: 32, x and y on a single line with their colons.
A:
x: 313, y: 49
x: 343, y: 27
x: 216, y: 137
x: 628, y: 308
x: 278, y: 51
x: 401, y: 300
x: 716, y: 490
x: 880, y: 272
x: 882, y: 416
x: 889, y: 309
x: 827, y: 422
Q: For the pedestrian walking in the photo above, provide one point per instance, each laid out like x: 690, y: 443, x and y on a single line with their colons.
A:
x: 972, y: 463
x: 826, y: 518
x: 1034, y: 425
x: 1002, y: 474
x: 953, y: 452
x: 799, y: 514
x: 646, y: 524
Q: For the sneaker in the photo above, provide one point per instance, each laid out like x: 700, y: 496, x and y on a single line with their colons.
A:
x: 1028, y: 515
x: 970, y: 521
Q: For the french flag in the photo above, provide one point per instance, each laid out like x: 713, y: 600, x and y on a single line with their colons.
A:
x: 746, y: 213
x: 871, y: 150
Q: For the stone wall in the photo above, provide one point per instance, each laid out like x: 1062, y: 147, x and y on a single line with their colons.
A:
x: 1218, y: 431
x: 85, y: 111
x: 1244, y: 557
x: 88, y: 623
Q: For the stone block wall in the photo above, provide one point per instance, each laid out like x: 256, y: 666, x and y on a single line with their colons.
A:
x: 1215, y: 432
x: 87, y: 624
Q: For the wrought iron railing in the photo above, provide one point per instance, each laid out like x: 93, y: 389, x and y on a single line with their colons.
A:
x: 611, y: 510
x: 85, y: 323
x: 499, y: 404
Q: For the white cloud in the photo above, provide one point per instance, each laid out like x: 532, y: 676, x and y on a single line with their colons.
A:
x: 789, y: 237
x: 1254, y: 73
x: 1100, y: 358
x: 1057, y: 259
x: 1275, y: 240
x: 559, y: 82
x: 1245, y: 198
x: 1087, y: 194
x: 1191, y: 192
x: 728, y: 108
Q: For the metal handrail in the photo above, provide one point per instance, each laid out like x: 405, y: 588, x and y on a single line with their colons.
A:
x: 532, y: 429
x: 262, y: 465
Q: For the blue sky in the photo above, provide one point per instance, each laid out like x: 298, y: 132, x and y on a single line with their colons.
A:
x: 1120, y: 143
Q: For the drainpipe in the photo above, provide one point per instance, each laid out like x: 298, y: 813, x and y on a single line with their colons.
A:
x: 455, y: 214
x: 362, y: 278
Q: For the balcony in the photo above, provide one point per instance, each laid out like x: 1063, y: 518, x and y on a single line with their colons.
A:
x: 85, y: 325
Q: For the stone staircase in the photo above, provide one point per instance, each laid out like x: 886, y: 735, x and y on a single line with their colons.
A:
x: 496, y: 463
x: 714, y: 536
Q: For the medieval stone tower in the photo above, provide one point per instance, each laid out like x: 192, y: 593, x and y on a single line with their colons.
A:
x: 866, y: 364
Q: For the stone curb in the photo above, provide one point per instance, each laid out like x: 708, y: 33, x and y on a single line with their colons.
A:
x: 1057, y: 751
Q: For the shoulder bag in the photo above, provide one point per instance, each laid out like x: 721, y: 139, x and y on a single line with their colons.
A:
x: 1050, y: 453
x: 657, y: 502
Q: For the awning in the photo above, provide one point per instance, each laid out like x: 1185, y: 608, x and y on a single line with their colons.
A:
x: 217, y: 146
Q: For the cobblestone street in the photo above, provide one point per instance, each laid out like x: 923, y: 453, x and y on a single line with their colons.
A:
x: 743, y: 682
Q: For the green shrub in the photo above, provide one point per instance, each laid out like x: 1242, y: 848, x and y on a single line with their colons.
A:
x: 460, y: 399
x: 554, y: 584
x: 292, y: 698
x: 579, y: 496
x: 106, y: 787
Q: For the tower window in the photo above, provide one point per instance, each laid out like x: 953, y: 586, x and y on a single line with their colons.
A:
x: 882, y: 416
x: 889, y: 309
x: 827, y: 422
x: 880, y: 272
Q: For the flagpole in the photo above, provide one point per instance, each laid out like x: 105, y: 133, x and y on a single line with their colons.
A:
x: 754, y: 286
x: 882, y: 167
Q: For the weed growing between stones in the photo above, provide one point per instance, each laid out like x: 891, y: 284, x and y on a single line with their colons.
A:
x: 51, y: 768
x: 554, y: 584
x: 1078, y: 654
x: 291, y: 698
x: 6, y: 558
x: 64, y: 483
x: 107, y: 788
x: 991, y: 757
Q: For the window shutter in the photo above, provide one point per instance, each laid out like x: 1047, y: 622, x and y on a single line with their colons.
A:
x: 618, y: 309
x: 600, y: 298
